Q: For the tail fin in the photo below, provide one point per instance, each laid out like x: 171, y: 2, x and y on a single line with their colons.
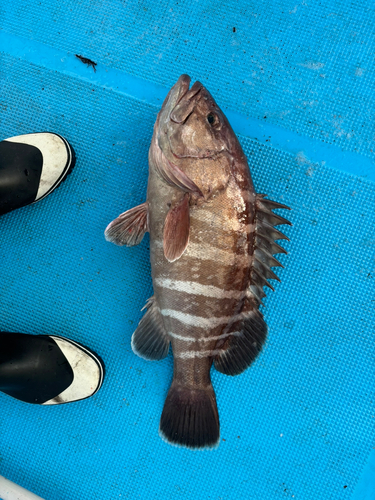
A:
x: 190, y: 417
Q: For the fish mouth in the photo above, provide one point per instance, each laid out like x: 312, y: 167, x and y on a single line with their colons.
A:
x: 182, y: 86
x: 184, y: 107
x: 186, y: 102
x: 179, y: 91
x: 181, y: 103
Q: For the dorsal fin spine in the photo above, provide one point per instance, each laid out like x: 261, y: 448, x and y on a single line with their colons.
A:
x: 264, y: 244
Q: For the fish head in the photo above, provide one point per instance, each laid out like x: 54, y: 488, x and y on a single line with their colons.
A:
x: 193, y: 137
x: 191, y: 124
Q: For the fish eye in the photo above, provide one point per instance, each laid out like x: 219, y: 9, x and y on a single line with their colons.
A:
x: 211, y: 118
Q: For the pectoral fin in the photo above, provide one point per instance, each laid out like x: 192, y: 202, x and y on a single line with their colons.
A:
x: 150, y: 340
x: 176, y: 230
x: 130, y: 227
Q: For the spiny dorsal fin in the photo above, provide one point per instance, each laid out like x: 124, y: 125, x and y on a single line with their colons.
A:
x: 130, y: 227
x: 265, y: 245
x: 268, y: 205
x: 246, y: 338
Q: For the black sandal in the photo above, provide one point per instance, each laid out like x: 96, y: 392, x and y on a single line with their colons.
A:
x: 48, y: 369
x: 31, y: 167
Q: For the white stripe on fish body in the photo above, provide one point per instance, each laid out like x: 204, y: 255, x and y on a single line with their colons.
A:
x: 204, y: 339
x: 239, y: 196
x: 194, y: 288
x: 197, y: 354
x: 202, y: 251
x: 198, y: 321
x: 216, y: 222
x: 208, y: 252
x: 181, y: 337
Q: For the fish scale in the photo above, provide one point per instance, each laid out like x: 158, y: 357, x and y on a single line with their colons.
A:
x: 212, y: 240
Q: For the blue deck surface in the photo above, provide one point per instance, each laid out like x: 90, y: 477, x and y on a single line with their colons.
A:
x: 297, y: 82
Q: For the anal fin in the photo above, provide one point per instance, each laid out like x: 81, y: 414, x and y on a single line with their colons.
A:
x: 242, y: 347
x: 150, y: 340
x: 129, y: 227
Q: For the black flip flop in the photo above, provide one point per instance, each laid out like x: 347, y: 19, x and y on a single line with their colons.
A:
x: 48, y: 369
x: 31, y: 167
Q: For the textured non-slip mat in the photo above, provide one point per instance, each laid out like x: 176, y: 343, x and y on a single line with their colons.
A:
x: 300, y: 422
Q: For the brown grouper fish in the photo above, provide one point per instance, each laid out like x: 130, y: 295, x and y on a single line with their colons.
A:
x: 212, y: 240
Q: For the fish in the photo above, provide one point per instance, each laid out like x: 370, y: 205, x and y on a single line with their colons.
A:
x: 212, y: 246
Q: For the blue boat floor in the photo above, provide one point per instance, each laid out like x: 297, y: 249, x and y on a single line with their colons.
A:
x: 296, y: 81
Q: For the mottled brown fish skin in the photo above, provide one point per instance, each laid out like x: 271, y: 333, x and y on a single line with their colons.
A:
x: 218, y: 256
x: 212, y: 240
